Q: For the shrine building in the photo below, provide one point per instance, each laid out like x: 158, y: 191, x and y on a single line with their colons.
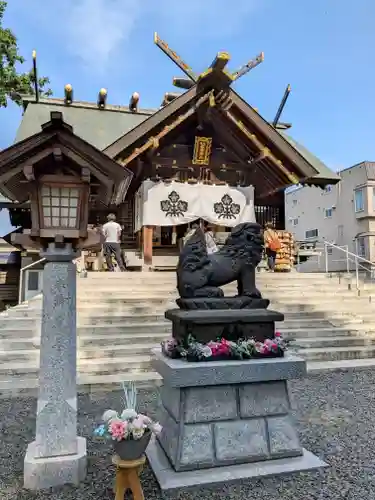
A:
x: 204, y: 153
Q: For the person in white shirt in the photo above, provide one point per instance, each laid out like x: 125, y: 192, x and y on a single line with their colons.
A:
x: 210, y: 240
x: 112, y: 233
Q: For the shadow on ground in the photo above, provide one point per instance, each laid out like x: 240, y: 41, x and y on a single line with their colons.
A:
x: 335, y: 415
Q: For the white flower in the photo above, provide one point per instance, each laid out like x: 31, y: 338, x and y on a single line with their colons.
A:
x: 109, y: 415
x: 138, y: 433
x: 206, y: 351
x: 128, y: 414
x: 156, y: 428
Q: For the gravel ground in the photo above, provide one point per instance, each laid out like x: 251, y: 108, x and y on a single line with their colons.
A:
x: 334, y: 413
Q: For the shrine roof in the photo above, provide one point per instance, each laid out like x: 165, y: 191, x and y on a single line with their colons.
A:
x: 96, y: 126
x: 105, y: 128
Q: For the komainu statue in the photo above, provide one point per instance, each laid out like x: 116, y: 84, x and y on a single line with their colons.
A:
x: 200, y: 276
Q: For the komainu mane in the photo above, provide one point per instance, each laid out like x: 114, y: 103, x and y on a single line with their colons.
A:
x: 200, y: 275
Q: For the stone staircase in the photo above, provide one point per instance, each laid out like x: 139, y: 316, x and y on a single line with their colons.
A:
x: 121, y: 317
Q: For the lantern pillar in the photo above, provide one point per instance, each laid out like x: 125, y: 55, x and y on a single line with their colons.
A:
x: 58, y: 455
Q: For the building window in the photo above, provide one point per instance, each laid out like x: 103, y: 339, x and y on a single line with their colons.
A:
x: 328, y: 213
x: 359, y: 205
x: 295, y: 222
x: 361, y: 246
x: 327, y: 189
x: 312, y: 233
x: 294, y: 203
x: 329, y: 250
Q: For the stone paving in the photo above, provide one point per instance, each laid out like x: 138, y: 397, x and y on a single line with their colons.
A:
x: 335, y: 414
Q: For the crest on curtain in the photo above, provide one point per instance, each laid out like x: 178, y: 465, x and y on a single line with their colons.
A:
x: 174, y: 206
x: 226, y: 208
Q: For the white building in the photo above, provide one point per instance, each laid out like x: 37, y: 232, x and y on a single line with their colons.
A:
x: 343, y: 214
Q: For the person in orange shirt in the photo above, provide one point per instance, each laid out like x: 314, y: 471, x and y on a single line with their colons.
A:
x: 272, y: 245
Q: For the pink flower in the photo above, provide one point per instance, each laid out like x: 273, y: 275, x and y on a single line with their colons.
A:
x: 274, y: 346
x: 277, y: 334
x: 117, y: 429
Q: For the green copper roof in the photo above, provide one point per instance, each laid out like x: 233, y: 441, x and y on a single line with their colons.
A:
x: 103, y: 127
x: 98, y: 127
x: 324, y: 171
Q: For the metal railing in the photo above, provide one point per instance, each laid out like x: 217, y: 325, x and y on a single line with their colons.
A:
x: 22, y: 272
x: 360, y: 263
x: 313, y: 250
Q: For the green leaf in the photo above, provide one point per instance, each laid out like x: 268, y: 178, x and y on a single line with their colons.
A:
x: 11, y: 79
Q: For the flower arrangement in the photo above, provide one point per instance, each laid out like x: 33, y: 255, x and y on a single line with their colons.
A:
x: 129, y: 425
x: 223, y: 349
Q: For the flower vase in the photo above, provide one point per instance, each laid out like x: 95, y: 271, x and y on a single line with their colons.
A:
x: 132, y: 449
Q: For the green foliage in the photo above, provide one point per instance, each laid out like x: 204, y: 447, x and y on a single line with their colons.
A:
x: 11, y: 80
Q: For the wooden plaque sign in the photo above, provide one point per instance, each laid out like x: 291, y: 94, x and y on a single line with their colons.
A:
x: 202, y: 151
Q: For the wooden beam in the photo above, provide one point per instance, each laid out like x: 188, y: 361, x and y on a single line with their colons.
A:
x: 266, y: 130
x: 281, y: 107
x: 175, y: 57
x: 57, y: 154
x: 32, y: 160
x: 28, y: 172
x: 83, y: 163
x: 186, y: 163
x: 240, y: 150
x: 220, y: 61
x: 164, y: 132
x: 85, y: 174
x: 147, y: 244
x: 146, y: 127
x: 253, y: 63
x: 258, y: 144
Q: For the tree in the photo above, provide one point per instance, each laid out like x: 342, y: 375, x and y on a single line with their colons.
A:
x: 14, y: 83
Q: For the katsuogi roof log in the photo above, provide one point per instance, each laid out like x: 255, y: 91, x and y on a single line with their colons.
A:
x: 267, y: 157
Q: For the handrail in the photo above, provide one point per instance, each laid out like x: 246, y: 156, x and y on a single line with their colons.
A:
x: 353, y: 258
x: 22, y: 270
x: 349, y: 253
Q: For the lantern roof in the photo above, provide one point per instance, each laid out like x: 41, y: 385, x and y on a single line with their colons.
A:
x: 57, y: 141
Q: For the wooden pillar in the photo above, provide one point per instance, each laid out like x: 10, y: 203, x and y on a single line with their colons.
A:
x: 147, y: 244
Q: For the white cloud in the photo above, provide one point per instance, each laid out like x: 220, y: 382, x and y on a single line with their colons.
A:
x: 94, y: 30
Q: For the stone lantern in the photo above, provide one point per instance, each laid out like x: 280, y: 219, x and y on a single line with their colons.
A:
x: 54, y: 169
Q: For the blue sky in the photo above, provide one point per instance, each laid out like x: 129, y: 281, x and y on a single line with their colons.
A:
x: 323, y: 48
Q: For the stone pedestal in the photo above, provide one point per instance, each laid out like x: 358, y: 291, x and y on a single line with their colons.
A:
x: 225, y: 421
x: 231, y: 324
x: 57, y: 456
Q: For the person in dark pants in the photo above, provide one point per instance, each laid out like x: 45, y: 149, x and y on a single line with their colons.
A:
x: 112, y: 233
x: 271, y: 258
x: 272, y: 244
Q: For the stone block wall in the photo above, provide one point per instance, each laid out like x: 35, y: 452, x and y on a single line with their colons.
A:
x: 213, y: 426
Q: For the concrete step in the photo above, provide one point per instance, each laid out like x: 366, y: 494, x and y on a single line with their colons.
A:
x: 13, y: 343
x: 102, y: 365
x: 308, y: 335
x: 345, y: 341
x: 87, y: 352
x: 323, y: 307
x: 337, y: 353
x: 117, y: 350
x: 144, y: 338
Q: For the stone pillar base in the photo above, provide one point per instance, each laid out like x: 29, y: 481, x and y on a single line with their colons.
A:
x: 41, y: 473
x: 226, y: 420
